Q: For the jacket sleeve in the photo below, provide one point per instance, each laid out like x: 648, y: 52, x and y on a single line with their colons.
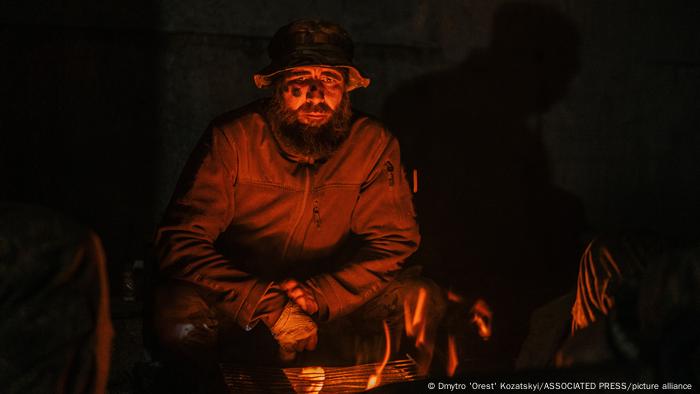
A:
x: 384, y: 220
x: 202, y: 207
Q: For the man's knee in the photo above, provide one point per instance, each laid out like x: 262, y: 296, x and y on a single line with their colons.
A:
x: 182, y: 320
x: 419, y: 290
x: 418, y: 294
x: 606, y: 263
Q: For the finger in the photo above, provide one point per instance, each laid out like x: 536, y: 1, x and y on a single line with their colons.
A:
x: 308, y: 305
x: 301, y: 301
x: 296, y: 293
x: 286, y: 355
x: 289, y: 284
x: 312, y: 306
x: 312, y: 342
x: 306, y: 287
x: 308, y: 292
x: 300, y: 345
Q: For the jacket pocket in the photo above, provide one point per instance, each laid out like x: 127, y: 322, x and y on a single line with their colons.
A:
x: 400, y: 195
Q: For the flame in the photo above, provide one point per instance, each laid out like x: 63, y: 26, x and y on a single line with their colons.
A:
x: 415, y: 321
x: 482, y: 317
x: 420, y: 339
x: 415, y: 180
x: 375, y: 379
x: 454, y: 297
x: 452, y: 360
x: 408, y: 319
x: 420, y: 306
x: 372, y: 382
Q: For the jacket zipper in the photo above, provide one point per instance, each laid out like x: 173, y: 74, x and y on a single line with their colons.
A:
x: 390, y: 170
x: 300, y: 214
x: 317, y: 214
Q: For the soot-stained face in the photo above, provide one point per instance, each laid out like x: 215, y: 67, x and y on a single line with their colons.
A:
x: 313, y: 92
x: 310, y: 110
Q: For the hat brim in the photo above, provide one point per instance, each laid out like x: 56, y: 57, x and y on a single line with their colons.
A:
x: 265, y: 77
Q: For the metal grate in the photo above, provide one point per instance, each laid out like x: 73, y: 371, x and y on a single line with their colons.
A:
x: 314, y: 379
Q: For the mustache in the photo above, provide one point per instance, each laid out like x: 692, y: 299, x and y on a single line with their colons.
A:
x: 310, y: 107
x: 316, y: 141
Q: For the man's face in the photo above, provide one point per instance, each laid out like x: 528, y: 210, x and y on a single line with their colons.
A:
x: 313, y: 93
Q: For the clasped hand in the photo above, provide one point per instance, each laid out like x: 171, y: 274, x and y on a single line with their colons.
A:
x: 300, y: 294
x: 295, y: 331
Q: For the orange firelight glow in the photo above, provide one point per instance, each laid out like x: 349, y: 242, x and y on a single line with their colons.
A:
x: 482, y: 317
x: 415, y: 320
x: 452, y: 359
x: 376, y: 378
x: 313, y: 378
x: 454, y: 297
x: 415, y: 181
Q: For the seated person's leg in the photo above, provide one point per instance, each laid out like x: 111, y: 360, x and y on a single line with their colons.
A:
x: 55, y: 330
x: 607, y: 264
x: 186, y: 331
x: 361, y: 334
x: 603, y: 266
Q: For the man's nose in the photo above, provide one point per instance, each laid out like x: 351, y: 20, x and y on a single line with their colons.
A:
x: 314, y: 93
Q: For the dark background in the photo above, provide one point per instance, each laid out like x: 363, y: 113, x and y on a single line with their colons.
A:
x: 532, y: 124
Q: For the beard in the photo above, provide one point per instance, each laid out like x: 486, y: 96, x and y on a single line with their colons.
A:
x: 313, y: 140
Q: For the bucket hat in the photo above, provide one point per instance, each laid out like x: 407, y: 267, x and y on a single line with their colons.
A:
x: 311, y: 42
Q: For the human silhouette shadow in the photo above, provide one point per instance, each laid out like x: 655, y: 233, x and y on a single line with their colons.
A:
x: 493, y: 224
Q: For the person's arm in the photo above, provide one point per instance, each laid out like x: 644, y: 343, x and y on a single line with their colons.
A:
x: 384, y: 220
x: 202, y: 207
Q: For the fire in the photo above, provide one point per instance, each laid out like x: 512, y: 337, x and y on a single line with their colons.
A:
x: 454, y: 297
x: 416, y: 325
x: 452, y: 359
x: 376, y: 378
x: 415, y: 321
x: 482, y: 317
x: 420, y: 340
x: 372, y: 382
x: 408, y: 320
x: 415, y: 181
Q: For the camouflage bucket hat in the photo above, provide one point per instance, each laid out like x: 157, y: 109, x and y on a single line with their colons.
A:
x: 309, y: 42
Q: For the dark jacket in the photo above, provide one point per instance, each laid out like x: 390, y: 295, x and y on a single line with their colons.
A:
x: 246, y: 213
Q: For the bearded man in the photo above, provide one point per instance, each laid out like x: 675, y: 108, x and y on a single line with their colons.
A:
x: 292, y: 211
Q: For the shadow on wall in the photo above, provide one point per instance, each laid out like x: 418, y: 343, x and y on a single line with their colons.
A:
x: 493, y: 224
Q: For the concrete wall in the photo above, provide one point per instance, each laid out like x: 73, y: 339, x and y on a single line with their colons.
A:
x: 622, y: 140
